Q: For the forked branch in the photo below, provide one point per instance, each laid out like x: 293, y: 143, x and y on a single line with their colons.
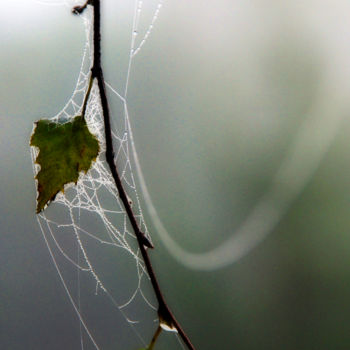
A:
x: 166, y: 318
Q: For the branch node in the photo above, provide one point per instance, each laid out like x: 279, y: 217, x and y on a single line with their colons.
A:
x: 166, y: 319
x: 145, y: 241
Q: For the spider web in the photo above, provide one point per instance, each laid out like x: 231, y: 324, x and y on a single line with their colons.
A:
x: 86, y: 227
x: 87, y: 223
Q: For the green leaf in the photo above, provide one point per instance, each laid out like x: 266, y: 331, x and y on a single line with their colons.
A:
x: 65, y: 149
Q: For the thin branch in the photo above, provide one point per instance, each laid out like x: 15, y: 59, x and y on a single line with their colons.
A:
x: 166, y: 318
x: 154, y: 339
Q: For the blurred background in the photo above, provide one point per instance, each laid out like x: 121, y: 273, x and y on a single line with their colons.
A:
x: 229, y: 101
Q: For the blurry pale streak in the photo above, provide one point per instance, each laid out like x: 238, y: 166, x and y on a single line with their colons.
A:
x: 305, y: 155
x: 310, y: 144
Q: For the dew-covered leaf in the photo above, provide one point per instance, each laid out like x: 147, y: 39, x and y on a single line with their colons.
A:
x: 65, y: 149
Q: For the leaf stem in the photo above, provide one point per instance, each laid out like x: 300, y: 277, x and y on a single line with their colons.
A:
x: 87, y: 95
x: 166, y: 318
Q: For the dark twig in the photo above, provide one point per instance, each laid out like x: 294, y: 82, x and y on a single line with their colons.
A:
x: 154, y: 339
x: 166, y: 318
x: 80, y: 9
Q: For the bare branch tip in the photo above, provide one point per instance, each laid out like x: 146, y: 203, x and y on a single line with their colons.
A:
x: 77, y: 10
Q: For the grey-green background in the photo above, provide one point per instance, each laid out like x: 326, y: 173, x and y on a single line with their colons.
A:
x: 216, y: 98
